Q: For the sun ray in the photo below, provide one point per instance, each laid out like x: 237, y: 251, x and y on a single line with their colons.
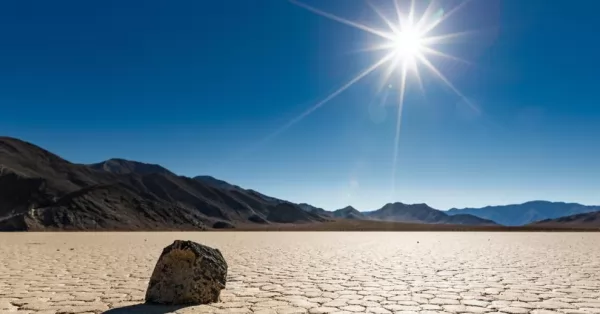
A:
x: 441, y: 38
x: 405, y: 21
x: 424, y: 17
x: 378, y: 47
x: 343, y: 21
x: 388, y: 72
x: 410, y: 44
x: 398, y: 13
x: 437, y: 22
x: 418, y: 78
x: 330, y: 97
x: 445, y: 55
x: 389, y: 23
x: 398, y: 124
x: 445, y: 80
x: 411, y: 13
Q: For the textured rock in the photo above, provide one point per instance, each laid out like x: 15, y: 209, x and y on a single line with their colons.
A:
x: 187, y: 273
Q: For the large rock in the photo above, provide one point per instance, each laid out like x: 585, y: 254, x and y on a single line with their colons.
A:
x: 187, y: 273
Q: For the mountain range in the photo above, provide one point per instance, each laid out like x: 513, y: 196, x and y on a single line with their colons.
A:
x: 348, y: 212
x: 411, y: 213
x: 526, y: 213
x: 586, y: 219
x: 41, y: 191
x: 422, y: 212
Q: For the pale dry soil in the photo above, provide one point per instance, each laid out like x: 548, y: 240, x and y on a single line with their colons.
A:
x: 311, y: 272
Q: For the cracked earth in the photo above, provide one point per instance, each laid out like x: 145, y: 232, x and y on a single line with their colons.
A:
x: 311, y: 272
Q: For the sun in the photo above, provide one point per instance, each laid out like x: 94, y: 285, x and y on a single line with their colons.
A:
x: 408, y: 45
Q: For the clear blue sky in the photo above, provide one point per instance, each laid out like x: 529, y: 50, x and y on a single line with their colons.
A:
x: 197, y: 85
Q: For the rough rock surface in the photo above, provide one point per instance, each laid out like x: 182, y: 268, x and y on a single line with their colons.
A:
x: 187, y: 273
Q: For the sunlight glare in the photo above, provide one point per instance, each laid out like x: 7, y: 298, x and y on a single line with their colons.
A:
x: 408, y: 43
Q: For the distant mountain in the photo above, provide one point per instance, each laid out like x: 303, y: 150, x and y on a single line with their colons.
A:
x: 422, y: 213
x: 466, y: 219
x: 586, y: 220
x: 41, y: 191
x: 315, y: 210
x: 526, y: 213
x: 122, y: 166
x: 348, y: 212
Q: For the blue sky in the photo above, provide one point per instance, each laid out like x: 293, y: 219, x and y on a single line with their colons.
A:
x: 197, y: 86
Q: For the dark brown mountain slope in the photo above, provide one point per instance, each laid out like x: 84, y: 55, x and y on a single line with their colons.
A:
x: 33, y: 177
x: 585, y: 220
x: 39, y: 190
x: 214, y: 182
x: 315, y: 210
x: 29, y: 161
x: 122, y: 166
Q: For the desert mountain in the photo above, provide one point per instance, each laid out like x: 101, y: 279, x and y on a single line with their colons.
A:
x: 399, y: 212
x: 348, y: 212
x: 422, y: 213
x: 585, y: 220
x: 39, y: 191
x: 526, y: 213
x: 216, y: 183
x: 315, y: 210
x: 122, y: 166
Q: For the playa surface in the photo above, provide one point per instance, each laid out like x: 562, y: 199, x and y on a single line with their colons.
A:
x: 311, y: 272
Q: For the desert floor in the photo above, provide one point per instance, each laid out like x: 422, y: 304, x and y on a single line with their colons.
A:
x: 311, y: 272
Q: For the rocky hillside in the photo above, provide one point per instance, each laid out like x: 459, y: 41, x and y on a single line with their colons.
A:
x: 122, y: 166
x: 586, y: 220
x: 526, y: 213
x: 421, y: 213
x: 315, y: 210
x: 40, y: 191
x: 214, y: 182
x: 348, y: 212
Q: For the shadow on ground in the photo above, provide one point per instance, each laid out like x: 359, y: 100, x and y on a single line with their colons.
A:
x: 143, y: 308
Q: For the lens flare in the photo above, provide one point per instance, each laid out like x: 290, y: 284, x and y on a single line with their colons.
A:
x: 409, y: 43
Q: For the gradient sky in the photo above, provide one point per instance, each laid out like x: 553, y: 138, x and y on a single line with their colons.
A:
x: 197, y: 86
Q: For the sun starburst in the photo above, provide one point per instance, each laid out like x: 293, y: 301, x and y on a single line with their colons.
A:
x: 408, y: 42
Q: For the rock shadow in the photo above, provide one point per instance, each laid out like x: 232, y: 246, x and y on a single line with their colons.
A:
x: 145, y: 308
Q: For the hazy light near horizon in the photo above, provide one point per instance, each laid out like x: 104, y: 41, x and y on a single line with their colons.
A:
x: 408, y: 42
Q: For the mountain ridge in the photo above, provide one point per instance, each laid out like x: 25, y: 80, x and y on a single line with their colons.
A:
x: 210, y: 180
x: 526, y: 213
x: 584, y: 220
x: 423, y: 213
x: 42, y: 191
x: 348, y: 212
x: 124, y: 166
x: 48, y: 192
